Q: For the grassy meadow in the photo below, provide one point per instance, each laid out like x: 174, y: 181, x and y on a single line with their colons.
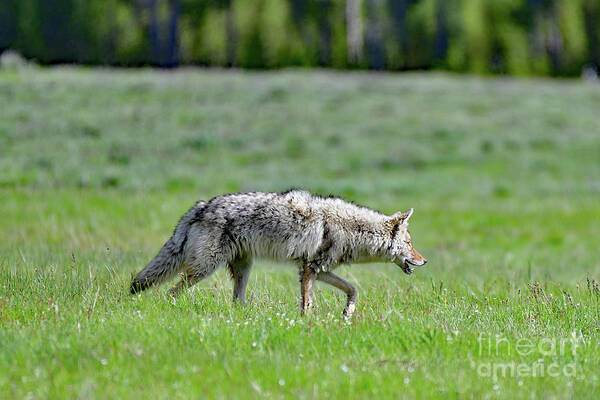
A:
x: 97, y: 165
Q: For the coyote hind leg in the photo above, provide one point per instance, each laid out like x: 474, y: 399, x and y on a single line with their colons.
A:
x: 345, y: 286
x: 188, y: 279
x: 205, y: 253
x: 193, y: 275
x: 240, y: 268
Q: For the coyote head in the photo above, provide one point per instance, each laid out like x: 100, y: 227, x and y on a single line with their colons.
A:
x: 402, y: 251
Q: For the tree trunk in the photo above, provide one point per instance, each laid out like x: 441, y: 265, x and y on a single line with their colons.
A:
x: 375, y: 50
x: 398, y: 10
x: 154, y: 34
x: 354, y: 31
x: 230, y: 36
x: 324, y: 32
x: 441, y: 34
x: 554, y: 43
x: 591, y: 13
x: 173, y: 45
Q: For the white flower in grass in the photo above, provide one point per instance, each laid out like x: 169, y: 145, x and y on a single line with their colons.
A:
x: 281, y: 382
x: 253, y: 344
x: 344, y: 368
x: 255, y: 386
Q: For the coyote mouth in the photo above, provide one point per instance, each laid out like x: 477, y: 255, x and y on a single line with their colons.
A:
x: 406, y: 267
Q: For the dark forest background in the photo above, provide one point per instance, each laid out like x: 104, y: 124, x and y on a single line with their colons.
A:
x: 519, y: 37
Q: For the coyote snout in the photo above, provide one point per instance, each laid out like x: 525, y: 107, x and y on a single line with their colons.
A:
x: 415, y: 259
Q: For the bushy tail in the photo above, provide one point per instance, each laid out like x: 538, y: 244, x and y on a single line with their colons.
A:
x: 170, y: 258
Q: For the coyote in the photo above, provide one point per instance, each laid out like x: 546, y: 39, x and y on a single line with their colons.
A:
x: 317, y: 233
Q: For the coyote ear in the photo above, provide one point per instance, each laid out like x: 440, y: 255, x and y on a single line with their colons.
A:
x: 403, y: 217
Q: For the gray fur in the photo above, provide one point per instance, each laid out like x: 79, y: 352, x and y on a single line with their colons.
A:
x: 315, y: 232
x: 170, y: 258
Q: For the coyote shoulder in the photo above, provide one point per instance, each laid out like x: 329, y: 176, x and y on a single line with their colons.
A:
x: 317, y: 233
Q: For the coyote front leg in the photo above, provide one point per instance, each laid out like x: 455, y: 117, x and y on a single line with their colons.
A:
x: 345, y: 286
x: 307, y: 281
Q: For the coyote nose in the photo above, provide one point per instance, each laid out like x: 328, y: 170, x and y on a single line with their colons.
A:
x: 424, y: 261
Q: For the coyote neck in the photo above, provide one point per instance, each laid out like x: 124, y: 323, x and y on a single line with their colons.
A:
x: 369, y: 239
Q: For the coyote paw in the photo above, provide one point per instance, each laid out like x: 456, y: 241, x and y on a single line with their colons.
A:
x: 348, y: 311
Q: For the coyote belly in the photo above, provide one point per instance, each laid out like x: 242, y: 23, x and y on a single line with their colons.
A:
x: 317, y: 233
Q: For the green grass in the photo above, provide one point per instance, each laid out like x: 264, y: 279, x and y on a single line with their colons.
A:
x: 97, y: 165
